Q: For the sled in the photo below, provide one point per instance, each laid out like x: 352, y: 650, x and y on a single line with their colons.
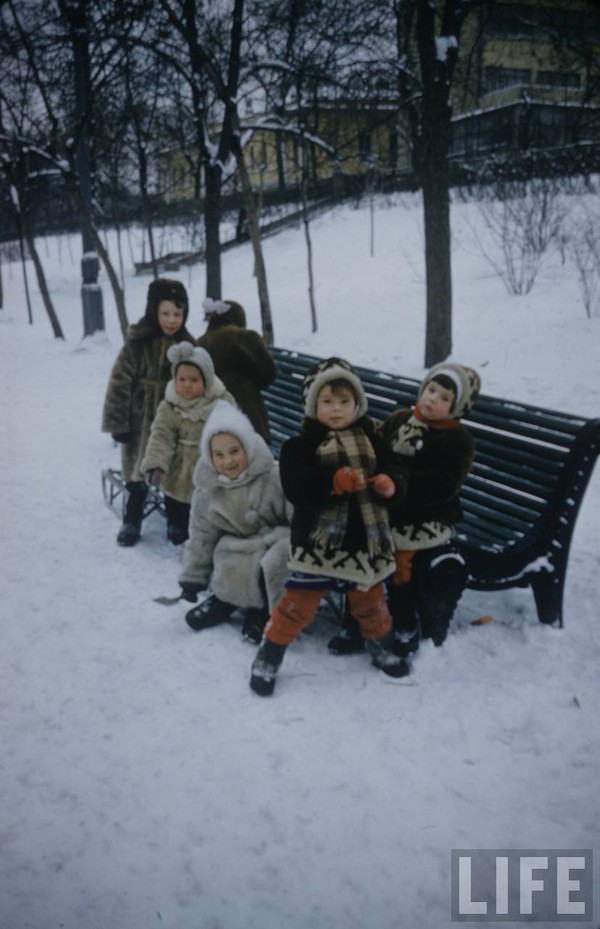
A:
x: 114, y: 492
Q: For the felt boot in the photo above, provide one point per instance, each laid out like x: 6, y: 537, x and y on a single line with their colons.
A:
x: 401, y: 604
x: 130, y: 532
x: 211, y: 612
x: 349, y: 641
x: 265, y: 667
x: 385, y: 659
x: 255, y: 621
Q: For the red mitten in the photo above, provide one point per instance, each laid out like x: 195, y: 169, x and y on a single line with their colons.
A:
x: 347, y: 481
x: 383, y: 485
x: 154, y: 476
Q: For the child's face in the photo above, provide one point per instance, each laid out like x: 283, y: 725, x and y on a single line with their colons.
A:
x: 228, y: 455
x: 336, y: 407
x: 170, y: 317
x: 189, y: 382
x: 436, y: 401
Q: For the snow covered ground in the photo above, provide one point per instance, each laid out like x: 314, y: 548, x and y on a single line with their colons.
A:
x: 143, y: 783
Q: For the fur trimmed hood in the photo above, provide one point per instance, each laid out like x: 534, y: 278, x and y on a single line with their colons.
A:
x: 227, y: 418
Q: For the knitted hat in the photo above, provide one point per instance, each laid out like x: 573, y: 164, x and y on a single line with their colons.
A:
x: 164, y: 288
x: 466, y: 381
x: 225, y: 417
x: 323, y: 373
x: 188, y: 354
x: 223, y: 313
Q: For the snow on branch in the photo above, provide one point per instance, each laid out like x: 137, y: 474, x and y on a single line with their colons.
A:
x: 443, y: 44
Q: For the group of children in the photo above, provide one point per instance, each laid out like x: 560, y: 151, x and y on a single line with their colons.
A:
x: 361, y: 509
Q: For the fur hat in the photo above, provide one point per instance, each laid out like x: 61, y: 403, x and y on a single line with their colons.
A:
x: 466, y: 381
x: 223, y: 313
x: 188, y: 354
x: 225, y: 417
x: 323, y: 373
x: 163, y: 288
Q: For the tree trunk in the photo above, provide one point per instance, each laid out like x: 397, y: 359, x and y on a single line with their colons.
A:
x: 431, y: 153
x: 254, y: 230
x: 41, y: 279
x: 212, y: 216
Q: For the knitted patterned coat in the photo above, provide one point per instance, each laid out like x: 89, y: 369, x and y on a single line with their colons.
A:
x: 136, y: 386
x: 308, y: 485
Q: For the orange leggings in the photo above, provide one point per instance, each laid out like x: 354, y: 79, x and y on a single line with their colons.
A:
x: 298, y: 607
x: 404, y: 568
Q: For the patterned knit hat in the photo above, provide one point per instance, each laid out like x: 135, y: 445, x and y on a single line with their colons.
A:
x: 164, y: 288
x: 466, y: 381
x: 188, y: 354
x: 223, y: 313
x: 332, y: 369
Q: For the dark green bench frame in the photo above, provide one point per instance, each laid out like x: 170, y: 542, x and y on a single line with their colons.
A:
x: 520, y: 501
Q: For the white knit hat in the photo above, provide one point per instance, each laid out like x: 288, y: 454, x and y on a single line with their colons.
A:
x: 188, y: 354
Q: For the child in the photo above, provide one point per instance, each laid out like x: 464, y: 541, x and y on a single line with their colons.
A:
x: 239, y: 528
x: 240, y: 357
x: 136, y: 387
x: 172, y: 450
x: 337, y: 475
x: 437, y: 451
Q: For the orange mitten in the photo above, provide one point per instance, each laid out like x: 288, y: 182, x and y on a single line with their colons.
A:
x: 347, y: 481
x: 383, y: 485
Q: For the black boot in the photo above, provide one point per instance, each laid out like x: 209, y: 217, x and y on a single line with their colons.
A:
x: 349, y: 641
x: 384, y: 657
x: 401, y: 604
x: 130, y: 531
x: 178, y: 517
x: 265, y: 667
x: 440, y: 584
x: 255, y: 621
x: 211, y: 612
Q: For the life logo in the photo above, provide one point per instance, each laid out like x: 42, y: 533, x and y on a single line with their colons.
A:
x: 522, y: 885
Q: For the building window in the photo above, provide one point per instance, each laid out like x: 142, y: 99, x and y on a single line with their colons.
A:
x: 364, y: 144
x: 557, y: 79
x: 500, y: 78
x: 393, y: 150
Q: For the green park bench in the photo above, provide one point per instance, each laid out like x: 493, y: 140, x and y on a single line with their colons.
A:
x: 520, y: 501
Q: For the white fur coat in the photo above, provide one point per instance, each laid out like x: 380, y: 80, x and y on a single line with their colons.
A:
x: 238, y: 528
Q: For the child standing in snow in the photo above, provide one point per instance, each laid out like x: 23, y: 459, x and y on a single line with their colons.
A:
x: 339, y: 476
x: 437, y: 451
x: 239, y: 527
x: 136, y: 387
x: 172, y: 450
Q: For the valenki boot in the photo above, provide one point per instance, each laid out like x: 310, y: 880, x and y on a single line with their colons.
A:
x: 130, y: 532
x: 407, y: 633
x: 211, y: 612
x: 384, y: 658
x: 265, y: 667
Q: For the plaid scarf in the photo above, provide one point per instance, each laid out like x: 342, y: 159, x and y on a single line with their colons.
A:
x: 341, y: 448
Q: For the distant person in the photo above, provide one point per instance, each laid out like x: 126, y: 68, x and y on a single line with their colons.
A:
x: 340, y: 477
x: 437, y: 452
x: 137, y: 384
x: 239, y: 527
x: 241, y: 359
x: 174, y: 444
